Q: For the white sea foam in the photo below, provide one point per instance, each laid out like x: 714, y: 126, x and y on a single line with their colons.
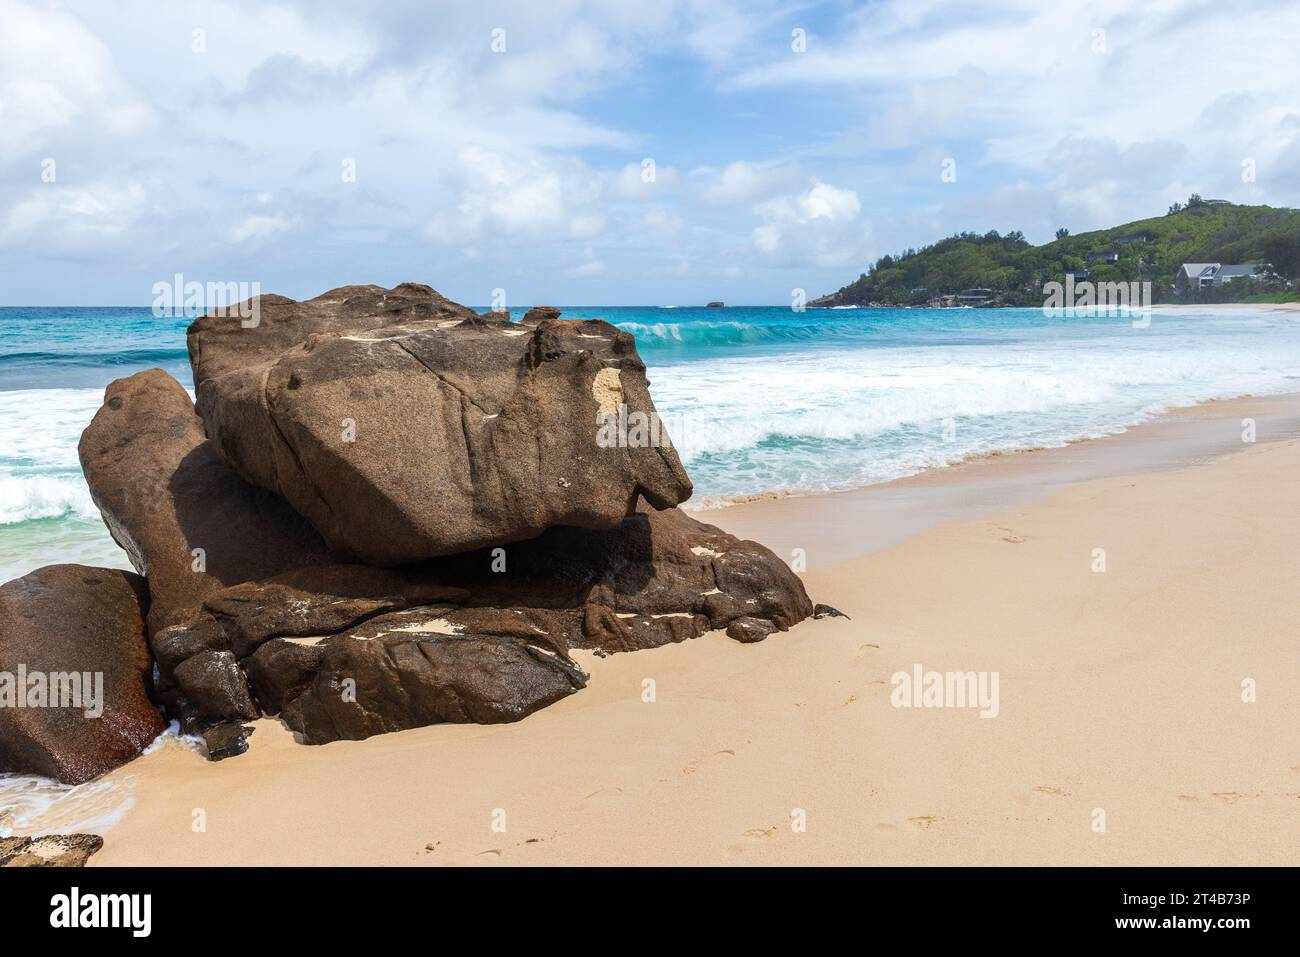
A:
x: 825, y: 419
x: 31, y: 805
x: 27, y: 497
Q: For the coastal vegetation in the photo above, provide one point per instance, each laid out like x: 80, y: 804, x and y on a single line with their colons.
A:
x: 997, y: 269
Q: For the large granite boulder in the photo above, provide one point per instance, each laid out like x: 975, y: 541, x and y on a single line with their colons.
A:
x: 186, y: 520
x: 406, y: 427
x: 347, y: 651
x: 74, y: 672
x: 463, y: 441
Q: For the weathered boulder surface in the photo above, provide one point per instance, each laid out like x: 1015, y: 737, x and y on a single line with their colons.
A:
x: 186, y: 520
x: 349, y: 651
x: 51, y: 850
x: 72, y: 643
x: 404, y: 426
x: 401, y: 426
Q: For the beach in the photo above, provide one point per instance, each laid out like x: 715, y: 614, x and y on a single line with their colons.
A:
x: 1121, y: 734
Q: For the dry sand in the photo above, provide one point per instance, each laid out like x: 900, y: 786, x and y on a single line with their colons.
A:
x: 1120, y: 691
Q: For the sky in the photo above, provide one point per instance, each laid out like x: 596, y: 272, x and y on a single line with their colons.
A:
x: 609, y: 153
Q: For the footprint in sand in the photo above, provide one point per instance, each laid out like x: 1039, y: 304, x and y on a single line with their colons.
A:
x: 1048, y: 789
x: 700, y: 762
x: 923, y: 821
x: 761, y: 833
x: 1228, y: 797
x: 603, y: 791
x: 886, y: 826
x: 493, y: 852
x: 1188, y: 797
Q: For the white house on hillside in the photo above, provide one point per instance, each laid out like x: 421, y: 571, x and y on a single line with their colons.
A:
x: 1207, y: 275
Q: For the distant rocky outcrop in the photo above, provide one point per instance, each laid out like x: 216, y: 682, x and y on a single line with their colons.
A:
x: 405, y: 426
x: 439, y: 565
x: 74, y: 672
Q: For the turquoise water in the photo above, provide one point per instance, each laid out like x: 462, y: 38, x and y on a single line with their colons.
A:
x: 756, y: 399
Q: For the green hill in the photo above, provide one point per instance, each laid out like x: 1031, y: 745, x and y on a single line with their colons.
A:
x: 1012, y: 272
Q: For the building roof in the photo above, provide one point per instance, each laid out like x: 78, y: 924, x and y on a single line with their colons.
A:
x: 1241, y: 269
x: 1197, y: 269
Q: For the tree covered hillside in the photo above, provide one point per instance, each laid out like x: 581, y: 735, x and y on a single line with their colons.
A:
x: 1148, y: 250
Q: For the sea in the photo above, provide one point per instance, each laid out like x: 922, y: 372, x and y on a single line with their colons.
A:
x: 756, y: 399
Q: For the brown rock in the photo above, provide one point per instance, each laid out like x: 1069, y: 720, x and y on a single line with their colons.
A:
x: 456, y: 640
x: 749, y: 630
x: 72, y: 620
x: 415, y: 668
x: 165, y: 491
x: 540, y: 314
x: 53, y: 850
x: 405, y: 426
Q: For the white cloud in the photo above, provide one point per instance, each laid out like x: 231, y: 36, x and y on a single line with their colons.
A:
x: 814, y: 227
x: 476, y: 169
x: 54, y: 73
x: 498, y: 195
x: 743, y: 182
x: 66, y: 220
x: 593, y: 267
x: 1181, y: 91
x: 643, y: 180
x: 259, y: 227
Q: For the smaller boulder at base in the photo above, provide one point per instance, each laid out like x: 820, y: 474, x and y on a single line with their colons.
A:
x: 74, y: 672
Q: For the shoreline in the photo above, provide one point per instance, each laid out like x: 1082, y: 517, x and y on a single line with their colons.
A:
x: 740, y: 737
x: 853, y: 522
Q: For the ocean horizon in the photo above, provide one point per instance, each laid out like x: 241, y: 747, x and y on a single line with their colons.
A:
x: 756, y: 399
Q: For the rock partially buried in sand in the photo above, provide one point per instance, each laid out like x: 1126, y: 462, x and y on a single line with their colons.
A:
x: 54, y: 850
x: 406, y: 427
x: 826, y: 611
x: 74, y: 672
x: 226, y: 740
x: 483, y: 637
x: 749, y: 630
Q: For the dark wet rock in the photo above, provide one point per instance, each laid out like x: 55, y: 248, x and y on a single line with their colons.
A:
x: 826, y: 611
x: 226, y: 740
x: 175, y: 643
x: 348, y: 651
x: 749, y: 630
x: 412, y: 668
x: 53, y: 850
x: 82, y: 629
x: 165, y: 491
x: 215, y: 683
x: 405, y: 426
x: 660, y: 577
